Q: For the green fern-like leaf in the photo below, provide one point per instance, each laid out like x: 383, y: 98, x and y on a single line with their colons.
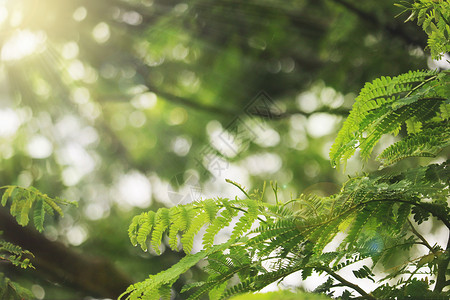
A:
x: 149, y: 288
x: 30, y: 200
x: 180, y: 219
x: 162, y: 222
x: 245, y: 222
x: 357, y: 226
x: 187, y: 220
x: 39, y: 215
x: 23, y: 202
x: 15, y: 255
x: 364, y: 272
x: 434, y: 17
x: 217, y: 224
x: 394, y: 119
x: 445, y: 110
x: 428, y: 142
x: 188, y: 238
x: 146, y: 223
x: 383, y: 106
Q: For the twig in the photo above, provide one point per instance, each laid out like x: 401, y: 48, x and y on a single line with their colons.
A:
x: 425, y: 242
x: 347, y: 283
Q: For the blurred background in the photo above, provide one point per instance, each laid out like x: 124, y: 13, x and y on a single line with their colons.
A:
x: 127, y: 106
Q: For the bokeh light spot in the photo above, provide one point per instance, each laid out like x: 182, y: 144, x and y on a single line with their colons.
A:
x: 39, y: 147
x: 80, y: 14
x: 101, y: 32
x: 23, y: 43
x: 9, y: 122
x: 135, y: 189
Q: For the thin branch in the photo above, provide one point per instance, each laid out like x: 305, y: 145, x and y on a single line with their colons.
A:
x: 235, y: 112
x: 346, y: 282
x: 425, y: 242
x: 219, y: 110
x: 190, y: 103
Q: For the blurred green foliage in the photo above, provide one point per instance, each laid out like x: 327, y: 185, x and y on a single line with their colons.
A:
x: 280, y: 295
x: 109, y: 103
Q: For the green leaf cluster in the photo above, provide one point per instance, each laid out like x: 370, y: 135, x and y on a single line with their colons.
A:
x: 24, y: 201
x: 434, y: 17
x: 181, y: 223
x: 15, y: 255
x: 417, y: 101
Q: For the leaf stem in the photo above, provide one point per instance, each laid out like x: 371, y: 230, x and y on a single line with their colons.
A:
x: 239, y: 187
x: 421, y: 84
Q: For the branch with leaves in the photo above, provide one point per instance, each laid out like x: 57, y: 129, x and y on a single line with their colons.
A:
x: 23, y: 202
x: 26, y: 200
x: 293, y: 238
x: 375, y: 212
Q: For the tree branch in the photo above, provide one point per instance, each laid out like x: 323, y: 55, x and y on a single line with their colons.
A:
x: 94, y: 275
x: 265, y: 113
x: 424, y: 241
x: 347, y: 283
x: 229, y: 112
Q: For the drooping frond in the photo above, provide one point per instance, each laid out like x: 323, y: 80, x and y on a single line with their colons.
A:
x: 15, y: 255
x: 417, y: 99
x: 26, y: 200
x: 187, y: 220
x: 428, y: 142
x: 374, y: 105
